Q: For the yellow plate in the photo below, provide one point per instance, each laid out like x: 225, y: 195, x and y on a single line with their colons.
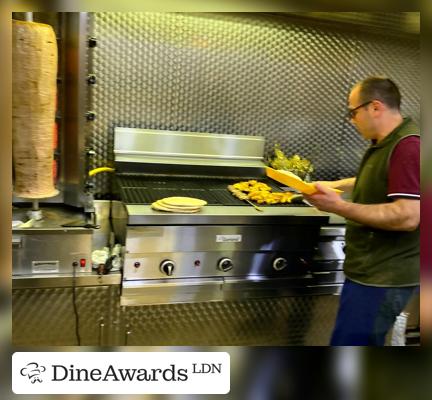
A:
x: 292, y: 180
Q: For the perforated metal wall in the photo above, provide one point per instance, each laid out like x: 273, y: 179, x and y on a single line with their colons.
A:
x: 280, y: 76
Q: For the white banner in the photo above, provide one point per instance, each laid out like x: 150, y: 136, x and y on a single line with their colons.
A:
x: 121, y: 373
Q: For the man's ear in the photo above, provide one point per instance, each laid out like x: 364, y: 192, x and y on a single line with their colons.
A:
x: 377, y: 105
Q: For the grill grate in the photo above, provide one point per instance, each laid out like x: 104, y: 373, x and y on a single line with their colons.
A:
x: 136, y: 189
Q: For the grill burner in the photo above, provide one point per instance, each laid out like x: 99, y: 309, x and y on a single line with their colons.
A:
x: 138, y: 189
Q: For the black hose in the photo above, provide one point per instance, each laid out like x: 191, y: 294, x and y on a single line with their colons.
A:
x: 75, y: 308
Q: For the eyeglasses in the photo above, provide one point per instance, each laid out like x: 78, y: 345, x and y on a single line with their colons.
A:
x: 353, y: 112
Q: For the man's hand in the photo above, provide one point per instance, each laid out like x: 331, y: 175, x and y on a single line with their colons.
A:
x: 325, y: 199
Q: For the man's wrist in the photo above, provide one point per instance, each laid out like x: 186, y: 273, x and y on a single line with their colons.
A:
x: 342, y: 208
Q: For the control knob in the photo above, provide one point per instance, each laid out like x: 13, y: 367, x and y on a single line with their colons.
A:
x: 167, y: 267
x: 280, y: 263
x: 225, y: 264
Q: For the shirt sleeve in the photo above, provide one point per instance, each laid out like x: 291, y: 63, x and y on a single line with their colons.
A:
x: 404, y: 169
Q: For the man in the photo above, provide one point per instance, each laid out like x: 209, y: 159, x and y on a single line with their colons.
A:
x: 382, y: 230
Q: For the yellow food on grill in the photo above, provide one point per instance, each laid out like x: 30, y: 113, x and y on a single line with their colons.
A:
x: 237, y: 193
x: 251, y: 185
x: 260, y: 193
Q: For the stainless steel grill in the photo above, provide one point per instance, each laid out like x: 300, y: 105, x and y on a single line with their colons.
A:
x: 228, y: 250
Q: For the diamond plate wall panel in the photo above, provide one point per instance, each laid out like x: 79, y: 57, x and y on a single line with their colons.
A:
x: 391, y: 22
x: 292, y: 321
x: 42, y: 316
x: 278, y: 76
x: 45, y: 317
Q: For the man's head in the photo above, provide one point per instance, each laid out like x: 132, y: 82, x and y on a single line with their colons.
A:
x: 374, y: 107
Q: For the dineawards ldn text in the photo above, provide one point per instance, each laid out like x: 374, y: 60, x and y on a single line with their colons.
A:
x: 113, y: 374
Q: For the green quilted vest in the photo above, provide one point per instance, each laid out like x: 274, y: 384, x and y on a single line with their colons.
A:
x: 373, y: 256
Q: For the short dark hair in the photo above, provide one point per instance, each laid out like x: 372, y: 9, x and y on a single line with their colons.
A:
x: 380, y: 88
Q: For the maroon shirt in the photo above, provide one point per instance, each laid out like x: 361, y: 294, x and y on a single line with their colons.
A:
x: 404, y: 169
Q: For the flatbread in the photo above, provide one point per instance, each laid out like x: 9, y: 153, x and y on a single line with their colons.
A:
x: 163, y: 204
x: 184, y: 201
x: 160, y: 207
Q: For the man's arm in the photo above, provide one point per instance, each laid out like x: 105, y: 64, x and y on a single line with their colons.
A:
x: 399, y: 215
x: 345, y: 185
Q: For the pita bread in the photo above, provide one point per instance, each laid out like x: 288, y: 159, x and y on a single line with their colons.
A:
x: 183, y: 201
x: 186, y: 208
x: 160, y: 207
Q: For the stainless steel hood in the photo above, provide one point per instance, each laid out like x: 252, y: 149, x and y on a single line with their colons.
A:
x: 134, y: 149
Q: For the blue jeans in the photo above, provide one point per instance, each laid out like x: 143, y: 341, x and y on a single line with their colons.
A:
x: 366, y: 313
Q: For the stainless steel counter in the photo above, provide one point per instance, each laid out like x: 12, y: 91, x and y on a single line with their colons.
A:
x: 53, y: 218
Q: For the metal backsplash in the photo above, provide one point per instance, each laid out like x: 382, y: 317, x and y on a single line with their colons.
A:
x: 279, y: 76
